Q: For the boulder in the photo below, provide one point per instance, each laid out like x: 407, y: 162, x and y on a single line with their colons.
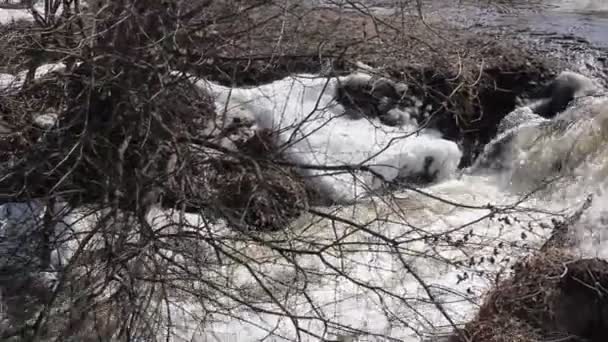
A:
x: 554, y: 97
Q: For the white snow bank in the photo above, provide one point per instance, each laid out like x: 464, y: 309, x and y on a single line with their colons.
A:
x: 315, y: 131
x: 43, y: 70
x: 46, y: 120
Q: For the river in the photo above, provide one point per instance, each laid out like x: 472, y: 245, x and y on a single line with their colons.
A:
x: 584, y: 19
x: 450, y: 241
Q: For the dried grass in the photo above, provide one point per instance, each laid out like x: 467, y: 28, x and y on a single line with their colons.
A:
x: 548, y: 297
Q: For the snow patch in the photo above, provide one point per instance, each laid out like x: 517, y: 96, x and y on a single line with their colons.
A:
x: 45, y: 121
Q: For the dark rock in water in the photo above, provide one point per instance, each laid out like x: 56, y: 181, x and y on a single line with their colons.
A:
x: 555, y: 97
x: 550, y: 297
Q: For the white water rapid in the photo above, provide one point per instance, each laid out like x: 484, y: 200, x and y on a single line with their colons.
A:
x: 449, y: 242
x: 550, y: 167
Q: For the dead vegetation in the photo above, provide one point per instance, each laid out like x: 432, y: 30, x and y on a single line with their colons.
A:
x: 551, y: 296
x: 126, y: 107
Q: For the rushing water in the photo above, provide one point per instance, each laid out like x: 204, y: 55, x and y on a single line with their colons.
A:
x: 551, y: 167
